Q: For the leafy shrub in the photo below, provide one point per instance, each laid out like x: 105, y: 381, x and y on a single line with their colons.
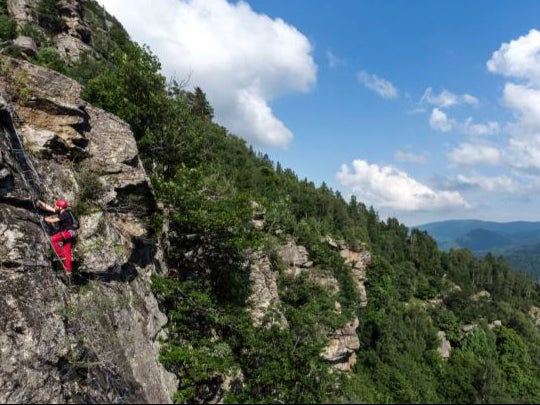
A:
x: 90, y: 186
x: 8, y: 28
x: 50, y: 58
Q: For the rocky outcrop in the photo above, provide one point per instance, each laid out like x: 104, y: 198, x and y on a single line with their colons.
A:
x: 343, y: 343
x: 71, y: 42
x: 445, y: 348
x: 480, y: 295
x: 342, y: 347
x: 358, y: 260
x: 264, y: 299
x: 94, y: 340
x: 534, y: 314
x: 295, y: 257
x: 76, y: 35
x: 21, y: 10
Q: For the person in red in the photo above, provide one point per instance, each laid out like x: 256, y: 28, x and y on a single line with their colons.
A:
x: 66, y: 235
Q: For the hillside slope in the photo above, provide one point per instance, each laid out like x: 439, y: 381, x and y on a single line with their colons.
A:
x: 275, y: 290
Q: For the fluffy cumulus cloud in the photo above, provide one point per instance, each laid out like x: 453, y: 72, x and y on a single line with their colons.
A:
x: 469, y: 154
x: 519, y: 61
x: 440, y: 121
x: 519, y: 58
x: 524, y: 154
x: 241, y: 59
x: 525, y: 101
x: 381, y: 86
x: 389, y: 187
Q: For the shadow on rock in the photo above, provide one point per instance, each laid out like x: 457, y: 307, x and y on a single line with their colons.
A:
x: 123, y: 274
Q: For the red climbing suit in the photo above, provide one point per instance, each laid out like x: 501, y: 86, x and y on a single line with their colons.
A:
x: 63, y: 240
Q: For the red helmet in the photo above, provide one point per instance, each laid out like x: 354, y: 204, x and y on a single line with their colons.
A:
x: 62, y: 204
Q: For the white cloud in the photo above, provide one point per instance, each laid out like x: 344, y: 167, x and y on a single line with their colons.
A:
x: 241, y: 59
x: 402, y: 156
x: 499, y: 184
x: 475, y: 154
x: 468, y: 99
x: 489, y: 128
x: 447, y: 99
x: 439, y: 121
x: 524, y: 154
x: 525, y: 102
x: 263, y: 127
x: 519, y: 58
x: 382, y: 87
x: 389, y: 187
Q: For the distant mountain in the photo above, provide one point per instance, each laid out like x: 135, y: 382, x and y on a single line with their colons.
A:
x: 517, y: 241
x: 480, y: 239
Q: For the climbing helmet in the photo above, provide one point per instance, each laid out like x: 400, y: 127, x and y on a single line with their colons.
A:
x: 62, y: 204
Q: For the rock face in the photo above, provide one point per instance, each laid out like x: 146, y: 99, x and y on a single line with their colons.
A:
x: 341, y: 349
x: 445, y: 348
x: 264, y: 300
x: 96, y: 340
x: 75, y: 36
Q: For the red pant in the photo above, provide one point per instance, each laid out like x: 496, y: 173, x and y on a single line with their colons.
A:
x: 62, y: 242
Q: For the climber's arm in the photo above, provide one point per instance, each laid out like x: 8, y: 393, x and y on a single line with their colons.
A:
x: 46, y: 207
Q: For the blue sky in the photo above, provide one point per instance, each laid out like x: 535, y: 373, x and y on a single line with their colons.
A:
x: 426, y: 110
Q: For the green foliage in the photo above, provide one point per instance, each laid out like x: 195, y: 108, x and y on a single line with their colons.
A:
x: 276, y: 363
x: 199, y: 105
x: 217, y: 221
x: 50, y: 58
x: 516, y: 365
x: 8, y: 28
x: 481, y: 343
x: 279, y: 217
x: 448, y: 322
x: 90, y: 186
x: 108, y: 35
x: 86, y: 68
x: 48, y: 15
x: 131, y: 88
x: 192, y: 353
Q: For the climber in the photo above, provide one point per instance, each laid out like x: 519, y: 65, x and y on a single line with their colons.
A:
x: 66, y: 234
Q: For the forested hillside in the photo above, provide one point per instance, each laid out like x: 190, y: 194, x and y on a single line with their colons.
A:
x: 207, y: 182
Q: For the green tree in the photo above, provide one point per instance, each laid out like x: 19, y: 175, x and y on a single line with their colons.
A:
x: 132, y: 88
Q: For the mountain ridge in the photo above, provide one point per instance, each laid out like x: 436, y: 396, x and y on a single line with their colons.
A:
x: 517, y: 241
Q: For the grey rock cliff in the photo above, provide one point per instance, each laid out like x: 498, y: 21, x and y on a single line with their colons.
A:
x: 96, y: 340
x: 75, y: 37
